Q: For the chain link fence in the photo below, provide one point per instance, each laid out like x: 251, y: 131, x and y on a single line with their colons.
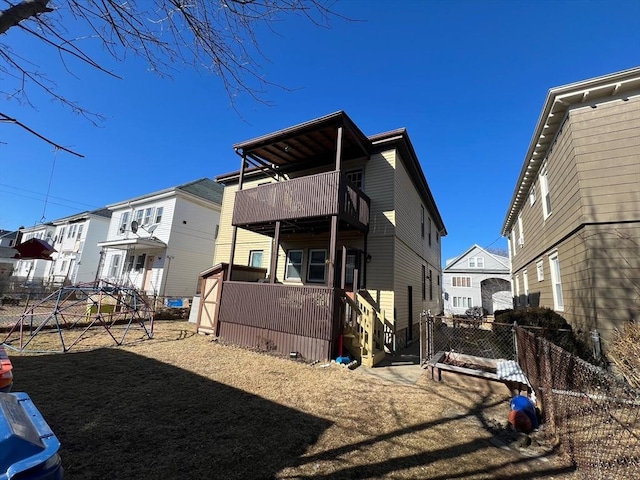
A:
x: 594, y: 416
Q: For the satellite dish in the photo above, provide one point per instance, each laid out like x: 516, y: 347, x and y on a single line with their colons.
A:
x: 152, y: 228
x: 134, y: 226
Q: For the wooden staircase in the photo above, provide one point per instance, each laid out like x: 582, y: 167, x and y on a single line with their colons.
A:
x: 364, y: 329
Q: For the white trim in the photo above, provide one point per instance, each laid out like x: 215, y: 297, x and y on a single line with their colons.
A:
x: 556, y: 282
x: 288, y: 263
x: 317, y: 264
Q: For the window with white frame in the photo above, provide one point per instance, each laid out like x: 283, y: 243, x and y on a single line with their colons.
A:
x: 461, y: 282
x: 462, y: 302
x: 429, y: 232
x: 72, y: 231
x: 424, y: 282
x: 556, y: 282
x: 293, y: 266
x: 142, y: 259
x: 255, y: 258
x: 422, y: 220
x: 430, y: 284
x: 476, y: 262
x: 148, y: 214
x: 159, y: 212
x: 317, y: 271
x: 79, y: 235
x: 532, y: 194
x: 138, y: 216
x: 525, y: 284
x: 514, y: 245
x: 521, y: 236
x: 114, y: 270
x: 124, y: 222
x: 517, y: 290
x: 540, y: 270
x: 544, y: 192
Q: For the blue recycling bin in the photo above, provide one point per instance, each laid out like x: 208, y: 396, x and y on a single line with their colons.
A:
x: 28, y: 447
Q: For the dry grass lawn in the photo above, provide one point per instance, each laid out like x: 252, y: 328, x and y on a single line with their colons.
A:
x: 181, y: 406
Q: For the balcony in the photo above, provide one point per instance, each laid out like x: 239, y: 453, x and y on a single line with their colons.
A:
x: 304, y: 203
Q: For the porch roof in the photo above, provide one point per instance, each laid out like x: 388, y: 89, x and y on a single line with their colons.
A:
x: 134, y: 244
x: 305, y: 145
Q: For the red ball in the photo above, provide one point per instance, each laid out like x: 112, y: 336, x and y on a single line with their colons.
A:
x: 520, y: 421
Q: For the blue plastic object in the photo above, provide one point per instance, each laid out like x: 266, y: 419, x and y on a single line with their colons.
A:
x: 28, y: 447
x: 524, y: 404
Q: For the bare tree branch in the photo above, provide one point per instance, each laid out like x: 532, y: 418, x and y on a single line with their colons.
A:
x: 15, y: 14
x: 7, y: 118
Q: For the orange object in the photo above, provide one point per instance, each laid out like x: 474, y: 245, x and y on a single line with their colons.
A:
x: 520, y: 421
x: 6, y: 374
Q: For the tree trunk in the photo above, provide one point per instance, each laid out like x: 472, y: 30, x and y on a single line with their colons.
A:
x: 13, y: 15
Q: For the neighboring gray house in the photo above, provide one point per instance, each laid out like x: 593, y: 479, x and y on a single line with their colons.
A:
x: 8, y: 240
x: 477, y: 278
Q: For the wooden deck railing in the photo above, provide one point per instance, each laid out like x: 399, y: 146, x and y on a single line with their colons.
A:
x: 320, y: 195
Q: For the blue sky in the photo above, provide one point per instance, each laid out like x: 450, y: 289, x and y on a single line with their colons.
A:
x: 467, y: 79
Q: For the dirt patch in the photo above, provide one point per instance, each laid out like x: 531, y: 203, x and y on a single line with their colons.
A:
x: 182, y: 406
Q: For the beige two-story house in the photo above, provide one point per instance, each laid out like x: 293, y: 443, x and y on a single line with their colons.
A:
x: 327, y: 211
x: 573, y: 223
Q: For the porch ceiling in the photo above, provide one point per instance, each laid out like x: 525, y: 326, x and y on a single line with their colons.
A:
x: 313, y: 226
x: 308, y: 144
x: 147, y: 244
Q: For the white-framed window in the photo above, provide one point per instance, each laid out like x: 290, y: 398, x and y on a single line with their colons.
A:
x: 356, y: 177
x: 556, y: 282
x: 293, y: 266
x: 138, y: 216
x: 462, y: 302
x: 521, y: 236
x: 142, y: 259
x: 424, y: 282
x: 461, y: 282
x: 130, y: 263
x: 148, y: 214
x: 540, y: 270
x: 525, y: 284
x: 429, y: 232
x: 114, y: 270
x: 255, y: 258
x: 317, y: 271
x: 124, y: 222
x: 159, y: 212
x: 476, y: 262
x: 80, y: 229
x: 517, y: 290
x: 544, y: 192
x: 72, y: 231
x: 532, y: 194
x: 514, y: 245
x: 422, y: 220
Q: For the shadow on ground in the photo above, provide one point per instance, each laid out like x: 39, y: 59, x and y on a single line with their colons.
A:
x: 121, y: 415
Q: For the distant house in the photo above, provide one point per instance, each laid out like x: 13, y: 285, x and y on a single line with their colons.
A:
x: 8, y: 262
x: 573, y: 222
x: 332, y: 215
x: 161, y: 241
x: 35, y: 270
x: 476, y: 278
x: 76, y: 242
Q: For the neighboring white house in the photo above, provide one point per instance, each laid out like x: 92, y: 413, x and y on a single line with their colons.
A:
x: 161, y: 241
x: 476, y: 278
x: 35, y: 270
x: 76, y: 240
x: 8, y: 240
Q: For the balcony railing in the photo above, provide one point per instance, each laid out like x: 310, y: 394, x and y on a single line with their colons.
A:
x: 313, y: 196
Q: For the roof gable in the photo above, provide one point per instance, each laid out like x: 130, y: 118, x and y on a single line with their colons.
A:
x: 491, y: 262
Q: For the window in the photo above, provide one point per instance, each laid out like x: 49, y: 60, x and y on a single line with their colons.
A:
x: 462, y: 302
x: 422, y: 220
x: 72, y: 231
x: 115, y: 266
x: 556, y: 282
x: 159, y: 212
x: 525, y: 282
x: 544, y: 191
x: 124, y: 222
x: 141, y: 261
x: 255, y: 258
x: 317, y: 266
x: 424, y: 281
x: 532, y: 195
x: 540, y: 270
x: 355, y: 176
x: 476, y: 262
x: 514, y: 245
x: 80, y: 228
x: 517, y: 290
x: 429, y: 232
x: 63, y: 266
x: 293, y: 267
x: 217, y: 231
x: 437, y: 237
x: 130, y: 262
x: 430, y: 285
x: 138, y: 216
x: 438, y: 279
x: 461, y: 282
x: 521, y: 237
x: 148, y: 213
